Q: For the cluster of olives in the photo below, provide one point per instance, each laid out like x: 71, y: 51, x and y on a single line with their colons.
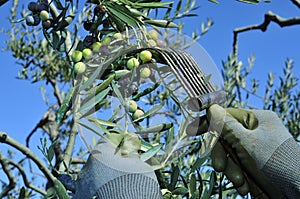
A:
x: 39, y: 12
x: 132, y: 107
x: 77, y: 57
x: 145, y: 56
x: 87, y: 53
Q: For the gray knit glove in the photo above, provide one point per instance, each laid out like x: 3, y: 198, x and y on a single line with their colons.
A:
x: 108, y: 175
x: 261, y: 135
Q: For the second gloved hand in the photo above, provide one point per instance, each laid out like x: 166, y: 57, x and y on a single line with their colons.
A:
x: 254, y: 135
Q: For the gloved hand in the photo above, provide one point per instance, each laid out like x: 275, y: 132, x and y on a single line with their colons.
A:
x: 262, y: 144
x: 114, y: 170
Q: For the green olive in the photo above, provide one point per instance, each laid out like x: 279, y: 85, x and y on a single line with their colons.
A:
x: 131, y: 106
x: 145, y: 56
x: 137, y: 114
x: 76, y: 56
x: 132, y: 63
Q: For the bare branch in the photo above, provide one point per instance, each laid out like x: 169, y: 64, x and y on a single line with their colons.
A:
x: 297, y: 3
x: 40, y: 124
x: 71, y: 141
x: 56, y: 91
x: 10, y: 176
x: 4, y: 138
x: 282, y: 22
x: 26, y: 182
x: 78, y: 161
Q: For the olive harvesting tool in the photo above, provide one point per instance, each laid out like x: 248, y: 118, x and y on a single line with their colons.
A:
x: 202, y: 95
x: 174, y: 73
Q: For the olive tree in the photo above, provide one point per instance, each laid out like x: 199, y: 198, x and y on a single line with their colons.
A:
x: 66, y: 44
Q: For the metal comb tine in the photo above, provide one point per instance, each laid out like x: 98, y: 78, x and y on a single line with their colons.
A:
x: 180, y: 67
x: 173, y: 67
x: 193, y: 75
x: 196, y: 68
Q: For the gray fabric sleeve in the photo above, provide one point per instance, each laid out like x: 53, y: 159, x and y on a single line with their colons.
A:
x: 283, y: 168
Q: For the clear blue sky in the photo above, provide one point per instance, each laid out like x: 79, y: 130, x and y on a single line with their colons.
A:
x: 21, y: 103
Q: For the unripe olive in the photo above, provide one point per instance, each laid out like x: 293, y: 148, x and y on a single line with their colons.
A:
x: 145, y: 56
x: 87, y: 53
x: 96, y: 46
x: 145, y: 72
x: 153, y: 34
x: 106, y: 41
x: 131, y: 144
x: 118, y: 36
x: 138, y: 114
x: 79, y: 68
x: 44, y: 15
x: 76, y: 56
x: 132, y: 63
x: 151, y: 43
x: 131, y: 106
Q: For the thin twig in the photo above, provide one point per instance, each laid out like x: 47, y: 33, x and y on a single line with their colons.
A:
x: 40, y: 124
x: 56, y: 91
x: 270, y: 16
x: 72, y: 137
x: 10, y: 176
x: 5, y: 138
x: 78, y: 161
x: 25, y: 180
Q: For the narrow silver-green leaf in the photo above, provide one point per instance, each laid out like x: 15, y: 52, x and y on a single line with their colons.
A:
x: 150, y: 112
x: 101, y: 122
x: 174, y: 177
x: 192, y: 184
x: 170, y: 138
x: 122, y: 16
x: 249, y: 1
x: 151, y: 152
x: 161, y: 23
x: 198, y: 163
x: 65, y: 105
x: 208, y: 191
x: 156, y: 129
x: 94, y: 100
x: 103, y: 85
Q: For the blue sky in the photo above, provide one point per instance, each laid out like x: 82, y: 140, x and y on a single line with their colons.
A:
x: 21, y: 103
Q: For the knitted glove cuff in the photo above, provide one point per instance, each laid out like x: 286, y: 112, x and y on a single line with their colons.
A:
x: 96, y: 174
x: 283, y: 168
x: 130, y: 186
